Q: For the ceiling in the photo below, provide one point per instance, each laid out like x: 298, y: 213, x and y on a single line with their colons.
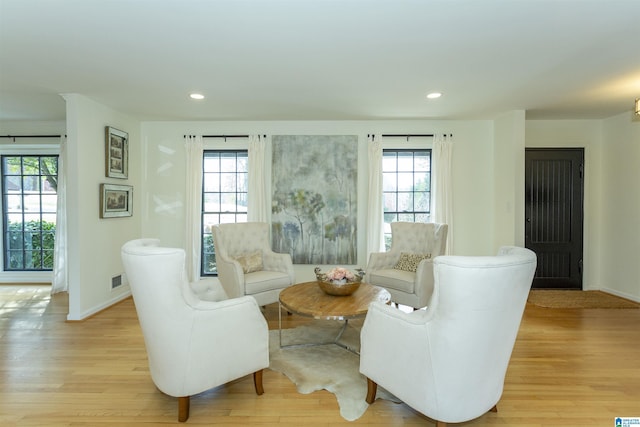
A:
x: 321, y: 59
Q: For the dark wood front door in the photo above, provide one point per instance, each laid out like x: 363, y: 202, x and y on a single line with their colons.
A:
x: 554, y: 215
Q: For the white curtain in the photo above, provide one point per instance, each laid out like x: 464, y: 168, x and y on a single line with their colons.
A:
x: 257, y: 209
x: 60, y: 280
x: 194, y: 150
x: 375, y: 236
x: 442, y: 185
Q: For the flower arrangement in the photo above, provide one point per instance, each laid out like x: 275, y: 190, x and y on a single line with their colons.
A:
x: 340, y: 273
x: 339, y: 281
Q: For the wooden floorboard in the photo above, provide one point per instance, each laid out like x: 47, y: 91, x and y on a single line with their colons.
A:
x: 573, y: 367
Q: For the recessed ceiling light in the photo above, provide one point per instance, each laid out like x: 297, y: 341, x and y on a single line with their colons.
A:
x: 434, y: 95
x: 196, y: 96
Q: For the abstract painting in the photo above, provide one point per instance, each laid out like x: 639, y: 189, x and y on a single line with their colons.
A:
x: 314, y: 200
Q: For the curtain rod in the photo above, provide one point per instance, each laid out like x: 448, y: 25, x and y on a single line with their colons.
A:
x: 224, y: 136
x: 409, y: 135
x: 30, y: 136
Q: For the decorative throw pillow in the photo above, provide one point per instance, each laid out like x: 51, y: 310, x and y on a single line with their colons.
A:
x: 409, y: 262
x: 250, y: 262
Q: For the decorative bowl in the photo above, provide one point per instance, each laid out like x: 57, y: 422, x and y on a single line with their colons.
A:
x: 341, y: 287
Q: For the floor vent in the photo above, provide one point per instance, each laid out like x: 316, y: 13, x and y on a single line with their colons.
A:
x: 116, y: 281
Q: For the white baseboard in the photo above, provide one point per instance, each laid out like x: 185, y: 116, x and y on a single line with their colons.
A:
x: 99, y: 308
x: 621, y: 294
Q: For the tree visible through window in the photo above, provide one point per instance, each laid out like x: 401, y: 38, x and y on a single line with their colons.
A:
x: 406, y: 186
x: 29, y: 196
x: 224, y: 197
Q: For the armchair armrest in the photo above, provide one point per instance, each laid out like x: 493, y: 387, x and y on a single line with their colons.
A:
x: 233, y: 333
x: 274, y: 261
x: 424, y: 282
x: 395, y: 350
x: 231, y: 276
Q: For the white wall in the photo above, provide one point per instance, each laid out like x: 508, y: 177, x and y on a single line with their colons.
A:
x: 508, y: 172
x: 619, y: 253
x: 164, y: 173
x: 94, y: 243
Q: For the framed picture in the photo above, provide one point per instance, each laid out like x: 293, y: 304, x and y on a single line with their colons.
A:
x: 116, y: 200
x: 116, y: 153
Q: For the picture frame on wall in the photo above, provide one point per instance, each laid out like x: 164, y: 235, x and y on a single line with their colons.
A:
x: 116, y: 153
x: 116, y: 200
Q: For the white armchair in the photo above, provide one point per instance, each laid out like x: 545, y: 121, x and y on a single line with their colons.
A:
x: 247, y: 265
x: 455, y: 354
x: 192, y: 345
x: 406, y: 270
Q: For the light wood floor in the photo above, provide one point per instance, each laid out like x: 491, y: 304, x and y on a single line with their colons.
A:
x: 569, y: 368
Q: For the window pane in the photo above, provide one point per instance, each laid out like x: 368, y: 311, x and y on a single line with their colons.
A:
x: 227, y: 182
x: 12, y: 165
x: 228, y: 202
x: 212, y: 202
x: 405, y: 161
x: 31, y: 183
x: 390, y: 202
x: 405, y: 202
x: 49, y: 203
x: 12, y: 184
x: 422, y: 162
x: 421, y: 181
x: 406, y: 217
x: 49, y: 165
x: 228, y: 163
x: 421, y: 201
x: 32, y: 203
x: 389, y: 162
x: 389, y: 182
x: 212, y: 182
x: 31, y: 166
x: 13, y: 203
x: 49, y: 185
x: 211, y: 164
x: 405, y: 181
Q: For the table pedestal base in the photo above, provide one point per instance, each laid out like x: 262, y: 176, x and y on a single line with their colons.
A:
x: 336, y: 340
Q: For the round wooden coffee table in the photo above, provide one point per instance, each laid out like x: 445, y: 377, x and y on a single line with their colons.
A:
x: 307, y: 299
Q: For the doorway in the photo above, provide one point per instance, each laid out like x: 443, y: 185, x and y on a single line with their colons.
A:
x: 554, y: 211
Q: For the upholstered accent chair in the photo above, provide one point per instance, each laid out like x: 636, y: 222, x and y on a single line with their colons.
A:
x: 449, y: 361
x: 192, y: 344
x: 247, y: 265
x: 406, y: 270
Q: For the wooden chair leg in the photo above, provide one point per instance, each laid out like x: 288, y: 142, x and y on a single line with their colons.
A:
x: 257, y: 382
x: 372, y: 389
x: 494, y: 409
x: 183, y: 408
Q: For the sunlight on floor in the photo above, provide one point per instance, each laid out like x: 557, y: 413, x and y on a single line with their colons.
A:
x: 15, y: 299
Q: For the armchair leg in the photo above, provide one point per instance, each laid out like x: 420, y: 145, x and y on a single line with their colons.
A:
x: 183, y: 408
x: 257, y: 382
x: 372, y: 388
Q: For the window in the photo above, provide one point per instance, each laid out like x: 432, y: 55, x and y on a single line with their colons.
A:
x: 406, y: 186
x: 224, y: 197
x: 29, y: 197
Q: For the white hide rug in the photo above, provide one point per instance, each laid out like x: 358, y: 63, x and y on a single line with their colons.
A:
x: 328, y: 367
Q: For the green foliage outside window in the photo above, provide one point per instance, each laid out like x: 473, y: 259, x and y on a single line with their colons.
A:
x: 31, y: 249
